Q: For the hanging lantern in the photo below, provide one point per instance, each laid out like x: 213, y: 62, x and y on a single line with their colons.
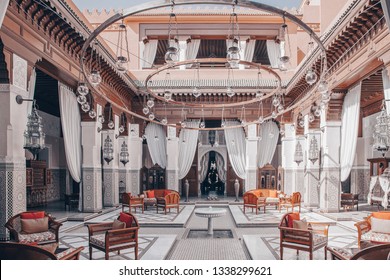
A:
x: 82, y: 89
x: 145, y: 110
x: 95, y: 78
x: 323, y: 86
x: 85, y: 107
x: 92, y: 114
x: 81, y: 99
x: 313, y: 150
x: 196, y: 92
x: 101, y: 119
x: 121, y: 64
x: 167, y: 95
x: 151, y: 116
x: 311, y: 77
x: 298, y: 155
x: 233, y: 56
x: 382, y: 133
x: 124, y: 154
x: 34, y: 138
x: 230, y: 92
x: 111, y: 124
x: 122, y: 61
x: 164, y: 121
x: 108, y: 150
x: 150, y: 103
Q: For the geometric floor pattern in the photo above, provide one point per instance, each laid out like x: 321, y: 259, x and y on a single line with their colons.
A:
x: 148, y: 216
x: 75, y: 241
x: 271, y: 214
x: 273, y: 245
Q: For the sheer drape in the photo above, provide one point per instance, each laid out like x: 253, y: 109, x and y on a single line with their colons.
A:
x: 373, y: 181
x: 236, y: 146
x: 221, y: 168
x: 156, y: 139
x: 273, y: 53
x: 71, y: 130
x: 386, y: 88
x: 192, y: 50
x: 150, y: 50
x: 267, y: 143
x: 349, y: 130
x: 188, y: 142
x: 3, y: 10
x: 385, y: 7
x: 31, y: 89
x: 147, y: 160
x: 385, y: 185
x: 249, y: 50
x: 204, y: 165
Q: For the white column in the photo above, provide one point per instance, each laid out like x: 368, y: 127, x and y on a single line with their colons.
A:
x: 91, y: 167
x: 183, y: 48
x: 288, y: 164
x: 172, y: 172
x: 251, y: 158
x: 12, y: 155
x: 330, y: 171
x: 110, y: 170
x: 299, y: 173
x: 135, y: 163
x: 312, y: 174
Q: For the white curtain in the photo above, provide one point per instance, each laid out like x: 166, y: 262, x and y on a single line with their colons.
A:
x: 221, y: 167
x: 267, y: 143
x: 372, y: 185
x: 385, y: 7
x: 385, y: 185
x: 31, y: 89
x: 71, y: 129
x: 249, y: 50
x: 236, y: 146
x: 349, y: 130
x: 188, y: 142
x: 273, y: 53
x: 156, y: 139
x: 192, y: 50
x: 386, y: 88
x: 147, y: 160
x: 150, y: 50
x: 3, y: 10
x: 204, y: 165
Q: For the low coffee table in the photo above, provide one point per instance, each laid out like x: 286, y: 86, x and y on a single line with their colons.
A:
x: 210, y: 213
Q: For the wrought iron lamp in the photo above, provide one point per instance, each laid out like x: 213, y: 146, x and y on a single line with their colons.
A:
x: 124, y: 154
x: 108, y: 150
x: 298, y: 155
x: 313, y: 150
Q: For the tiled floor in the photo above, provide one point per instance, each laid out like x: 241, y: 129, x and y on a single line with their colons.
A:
x: 254, y: 236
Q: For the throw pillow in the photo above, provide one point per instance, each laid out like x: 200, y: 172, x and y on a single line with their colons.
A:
x: 150, y: 194
x: 126, y: 218
x: 118, y: 225
x: 32, y: 215
x: 300, y: 224
x: 35, y: 225
x: 291, y: 217
x: 385, y: 215
x: 380, y: 225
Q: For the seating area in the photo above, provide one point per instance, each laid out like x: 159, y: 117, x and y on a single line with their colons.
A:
x: 374, y: 229
x: 162, y: 198
x: 260, y: 198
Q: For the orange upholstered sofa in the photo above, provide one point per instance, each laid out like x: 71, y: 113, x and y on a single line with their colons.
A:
x: 258, y: 197
x: 150, y: 196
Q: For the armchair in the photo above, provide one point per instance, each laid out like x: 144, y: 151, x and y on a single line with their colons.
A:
x: 374, y: 229
x: 295, y: 235
x: 377, y: 252
x: 20, y: 251
x: 251, y: 200
x: 114, y: 236
x: 132, y: 202
x: 291, y: 202
x: 40, y: 236
x: 168, y: 201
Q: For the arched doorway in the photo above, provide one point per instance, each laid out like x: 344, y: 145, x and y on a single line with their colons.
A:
x: 212, y: 173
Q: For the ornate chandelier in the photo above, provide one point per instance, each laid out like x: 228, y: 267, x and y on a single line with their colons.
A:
x: 124, y: 154
x: 298, y: 155
x: 313, y: 150
x: 382, y: 133
x: 108, y: 150
x: 34, y: 137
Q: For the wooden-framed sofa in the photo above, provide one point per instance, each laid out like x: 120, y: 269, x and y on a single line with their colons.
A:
x: 372, y: 233
x: 108, y: 238
x: 17, y: 234
x: 258, y: 198
x: 170, y: 199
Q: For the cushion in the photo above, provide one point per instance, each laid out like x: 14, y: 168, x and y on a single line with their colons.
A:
x: 98, y: 239
x: 380, y: 225
x: 35, y: 225
x: 150, y: 194
x: 166, y: 192
x: 125, y: 218
x: 118, y: 225
x: 291, y: 217
x: 272, y: 200
x: 385, y: 215
x: 260, y: 194
x: 273, y: 193
x: 36, y: 237
x: 300, y: 224
x: 65, y: 253
x: 51, y: 247
x: 376, y: 237
x: 32, y: 215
